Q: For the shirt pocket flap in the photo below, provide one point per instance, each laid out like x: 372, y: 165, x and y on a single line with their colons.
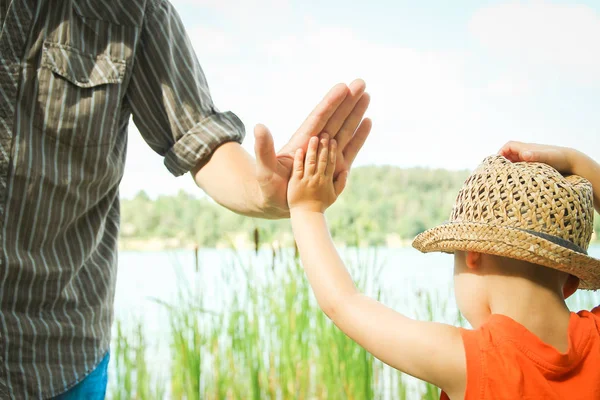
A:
x: 82, y: 70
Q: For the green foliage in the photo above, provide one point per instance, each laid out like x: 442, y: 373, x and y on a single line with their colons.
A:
x: 378, y: 202
x: 273, y: 342
x: 132, y: 379
x: 382, y: 201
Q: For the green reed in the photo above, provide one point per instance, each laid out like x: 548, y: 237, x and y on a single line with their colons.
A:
x: 132, y: 379
x: 272, y: 342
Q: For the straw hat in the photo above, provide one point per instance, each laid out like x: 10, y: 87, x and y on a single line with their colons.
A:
x: 526, y: 211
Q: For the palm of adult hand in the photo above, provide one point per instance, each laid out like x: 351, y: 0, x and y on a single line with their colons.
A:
x: 341, y: 117
x: 278, y: 185
x: 273, y: 174
x: 339, y: 114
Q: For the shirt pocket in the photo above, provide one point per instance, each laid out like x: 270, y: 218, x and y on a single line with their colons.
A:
x: 79, y: 95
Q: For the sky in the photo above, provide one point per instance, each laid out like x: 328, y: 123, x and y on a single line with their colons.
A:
x: 450, y: 82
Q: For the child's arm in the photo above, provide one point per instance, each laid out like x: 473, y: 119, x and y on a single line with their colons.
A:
x: 430, y: 351
x: 563, y: 159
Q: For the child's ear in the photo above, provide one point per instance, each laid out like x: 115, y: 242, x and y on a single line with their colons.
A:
x: 571, y: 286
x: 473, y: 260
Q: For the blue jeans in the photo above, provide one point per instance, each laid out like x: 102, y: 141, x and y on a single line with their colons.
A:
x: 92, y: 387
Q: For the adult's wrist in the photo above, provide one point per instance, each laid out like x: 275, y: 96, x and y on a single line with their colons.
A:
x: 268, y: 210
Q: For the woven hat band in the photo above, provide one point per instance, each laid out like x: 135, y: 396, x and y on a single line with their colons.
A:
x: 558, y: 240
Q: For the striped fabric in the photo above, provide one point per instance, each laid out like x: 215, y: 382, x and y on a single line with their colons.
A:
x: 72, y: 73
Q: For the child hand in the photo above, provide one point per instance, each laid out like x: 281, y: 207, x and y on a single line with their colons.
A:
x: 562, y: 159
x: 311, y: 186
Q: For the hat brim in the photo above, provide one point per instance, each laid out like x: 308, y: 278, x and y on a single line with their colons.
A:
x: 511, y: 243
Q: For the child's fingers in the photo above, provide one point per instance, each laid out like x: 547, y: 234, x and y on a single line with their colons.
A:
x: 311, y: 157
x: 298, y: 172
x: 332, y: 158
x: 323, y: 154
x: 340, y: 183
x: 531, y: 152
x: 512, y: 151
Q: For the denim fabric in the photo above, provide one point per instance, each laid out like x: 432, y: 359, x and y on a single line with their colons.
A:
x: 92, y: 387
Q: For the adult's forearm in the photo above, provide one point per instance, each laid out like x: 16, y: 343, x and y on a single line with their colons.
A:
x: 324, y: 268
x: 229, y: 178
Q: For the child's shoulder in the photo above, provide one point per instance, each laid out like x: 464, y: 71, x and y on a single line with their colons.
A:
x: 593, y: 316
x: 594, y: 311
x: 506, y: 359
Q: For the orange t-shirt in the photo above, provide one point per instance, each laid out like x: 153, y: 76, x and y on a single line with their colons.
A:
x: 506, y: 361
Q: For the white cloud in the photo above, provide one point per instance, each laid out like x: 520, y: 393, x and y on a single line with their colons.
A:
x: 415, y: 94
x: 509, y: 86
x: 279, y: 84
x: 432, y: 108
x: 543, y: 38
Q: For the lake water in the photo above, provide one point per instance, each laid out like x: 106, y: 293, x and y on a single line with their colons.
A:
x: 145, y: 276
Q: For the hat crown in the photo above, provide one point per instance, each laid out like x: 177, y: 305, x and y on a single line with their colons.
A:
x: 529, y: 196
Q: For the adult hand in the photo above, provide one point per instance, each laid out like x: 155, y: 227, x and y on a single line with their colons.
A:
x: 340, y: 115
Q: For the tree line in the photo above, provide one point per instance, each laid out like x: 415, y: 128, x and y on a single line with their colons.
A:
x: 381, y: 205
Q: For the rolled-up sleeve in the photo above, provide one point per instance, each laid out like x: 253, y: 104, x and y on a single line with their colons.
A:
x: 169, y: 96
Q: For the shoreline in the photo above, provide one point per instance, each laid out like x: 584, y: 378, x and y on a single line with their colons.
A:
x: 173, y: 244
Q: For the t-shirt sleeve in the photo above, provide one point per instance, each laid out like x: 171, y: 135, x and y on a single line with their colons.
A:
x: 169, y: 96
x: 473, y: 344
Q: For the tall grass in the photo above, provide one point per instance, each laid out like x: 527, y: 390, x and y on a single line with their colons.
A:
x: 132, y: 379
x: 269, y: 341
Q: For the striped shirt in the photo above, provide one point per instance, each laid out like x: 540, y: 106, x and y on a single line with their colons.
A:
x: 72, y: 73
